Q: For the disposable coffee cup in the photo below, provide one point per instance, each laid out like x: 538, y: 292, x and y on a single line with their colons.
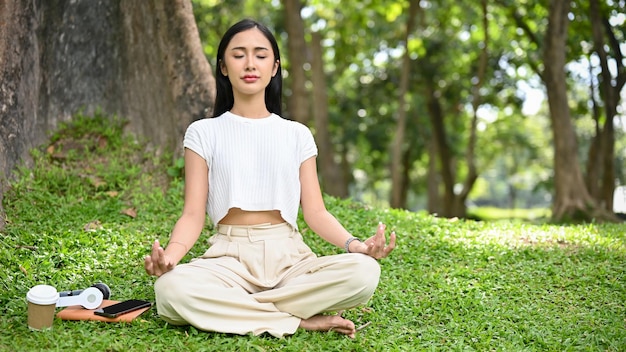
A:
x: 42, y: 300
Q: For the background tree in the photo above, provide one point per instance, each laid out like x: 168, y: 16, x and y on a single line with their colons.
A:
x: 359, y: 49
x: 548, y: 40
x: 600, y: 176
x: 571, y: 197
x: 298, y: 102
x: 398, y: 168
x: 332, y: 171
x: 451, y: 70
x: 467, y: 118
x: 310, y: 54
x: 140, y: 60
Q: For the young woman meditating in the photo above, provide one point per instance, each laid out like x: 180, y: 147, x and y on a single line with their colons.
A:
x: 251, y: 170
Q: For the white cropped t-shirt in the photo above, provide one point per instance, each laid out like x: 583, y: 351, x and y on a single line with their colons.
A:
x: 254, y: 164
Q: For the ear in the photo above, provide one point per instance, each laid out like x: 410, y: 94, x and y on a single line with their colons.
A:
x: 223, y: 68
x: 276, y: 65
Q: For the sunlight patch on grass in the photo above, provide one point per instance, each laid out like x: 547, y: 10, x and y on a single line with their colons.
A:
x: 517, y: 235
x: 493, y: 213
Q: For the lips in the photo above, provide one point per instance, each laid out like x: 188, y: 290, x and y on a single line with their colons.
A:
x: 250, y: 78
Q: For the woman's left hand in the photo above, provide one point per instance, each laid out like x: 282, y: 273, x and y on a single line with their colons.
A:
x: 376, y: 246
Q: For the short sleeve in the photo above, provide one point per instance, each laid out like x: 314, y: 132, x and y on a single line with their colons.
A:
x: 195, y: 142
x: 308, y: 148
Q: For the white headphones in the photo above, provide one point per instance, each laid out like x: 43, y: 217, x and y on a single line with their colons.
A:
x: 89, y: 298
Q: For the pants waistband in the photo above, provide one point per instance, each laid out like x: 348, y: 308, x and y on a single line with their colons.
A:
x: 254, y: 233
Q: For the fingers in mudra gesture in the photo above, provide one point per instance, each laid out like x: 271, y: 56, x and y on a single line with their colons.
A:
x: 377, y: 246
x: 157, y: 263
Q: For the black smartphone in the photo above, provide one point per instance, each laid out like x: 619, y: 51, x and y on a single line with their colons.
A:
x: 117, y: 309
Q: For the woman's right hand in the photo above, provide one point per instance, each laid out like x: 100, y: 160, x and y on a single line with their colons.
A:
x: 158, y: 263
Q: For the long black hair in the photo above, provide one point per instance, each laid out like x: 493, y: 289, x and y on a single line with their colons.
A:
x: 224, y: 99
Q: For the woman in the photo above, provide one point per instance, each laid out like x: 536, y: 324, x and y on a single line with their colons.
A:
x: 250, y: 170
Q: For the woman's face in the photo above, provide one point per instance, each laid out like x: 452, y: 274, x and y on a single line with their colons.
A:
x: 249, y: 62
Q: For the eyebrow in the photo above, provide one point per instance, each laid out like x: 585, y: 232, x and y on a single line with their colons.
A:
x: 255, y: 49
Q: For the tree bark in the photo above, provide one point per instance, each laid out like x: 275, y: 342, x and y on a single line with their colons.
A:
x: 444, y: 153
x: 298, y: 102
x: 610, y: 88
x: 594, y: 155
x: 470, y: 156
x: 331, y: 173
x: 166, y: 77
x: 572, y: 199
x: 451, y: 203
x: 141, y: 60
x: 398, y: 189
x: 433, y: 181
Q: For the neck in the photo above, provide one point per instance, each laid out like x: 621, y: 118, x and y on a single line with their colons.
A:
x: 250, y: 107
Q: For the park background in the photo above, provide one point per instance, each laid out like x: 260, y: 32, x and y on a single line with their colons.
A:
x: 443, y: 106
x: 414, y: 104
x: 448, y: 110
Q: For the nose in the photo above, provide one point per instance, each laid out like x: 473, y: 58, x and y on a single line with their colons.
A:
x: 250, y: 64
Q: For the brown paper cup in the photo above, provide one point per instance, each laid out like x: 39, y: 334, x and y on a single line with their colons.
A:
x: 42, y: 301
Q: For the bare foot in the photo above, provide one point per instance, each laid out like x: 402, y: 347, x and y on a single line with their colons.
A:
x: 329, y: 323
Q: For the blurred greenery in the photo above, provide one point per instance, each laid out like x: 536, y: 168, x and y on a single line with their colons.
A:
x: 362, y: 53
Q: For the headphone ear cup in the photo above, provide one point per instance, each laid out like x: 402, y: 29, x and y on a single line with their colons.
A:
x: 106, y: 291
x: 89, y: 298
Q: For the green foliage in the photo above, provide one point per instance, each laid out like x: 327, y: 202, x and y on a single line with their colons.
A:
x: 449, y: 285
x: 178, y: 169
x: 362, y: 53
x: 214, y: 17
x: 81, y: 126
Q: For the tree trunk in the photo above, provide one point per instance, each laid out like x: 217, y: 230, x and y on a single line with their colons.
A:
x: 398, y: 198
x: 433, y: 181
x: 594, y: 156
x: 141, y: 60
x: 444, y: 153
x: 470, y: 156
x: 166, y: 78
x: 298, y: 102
x: 452, y: 204
x: 331, y: 173
x: 572, y: 199
x: 610, y: 88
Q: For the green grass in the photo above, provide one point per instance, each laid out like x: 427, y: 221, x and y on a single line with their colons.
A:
x: 449, y: 286
x: 494, y: 214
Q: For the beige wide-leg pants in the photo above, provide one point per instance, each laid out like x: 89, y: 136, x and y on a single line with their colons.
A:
x: 262, y: 278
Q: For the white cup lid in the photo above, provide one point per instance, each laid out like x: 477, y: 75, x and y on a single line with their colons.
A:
x: 43, y: 294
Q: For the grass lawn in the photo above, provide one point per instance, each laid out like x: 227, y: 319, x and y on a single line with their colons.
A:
x: 94, y: 202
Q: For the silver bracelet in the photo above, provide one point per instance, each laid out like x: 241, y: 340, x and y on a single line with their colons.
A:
x: 348, y: 241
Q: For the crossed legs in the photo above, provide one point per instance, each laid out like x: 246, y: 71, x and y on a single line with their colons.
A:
x: 210, y: 295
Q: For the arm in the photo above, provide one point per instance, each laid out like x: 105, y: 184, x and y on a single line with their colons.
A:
x: 190, y: 224
x: 326, y: 225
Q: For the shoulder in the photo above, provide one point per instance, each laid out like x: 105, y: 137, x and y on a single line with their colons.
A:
x: 206, y: 124
x: 292, y: 125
